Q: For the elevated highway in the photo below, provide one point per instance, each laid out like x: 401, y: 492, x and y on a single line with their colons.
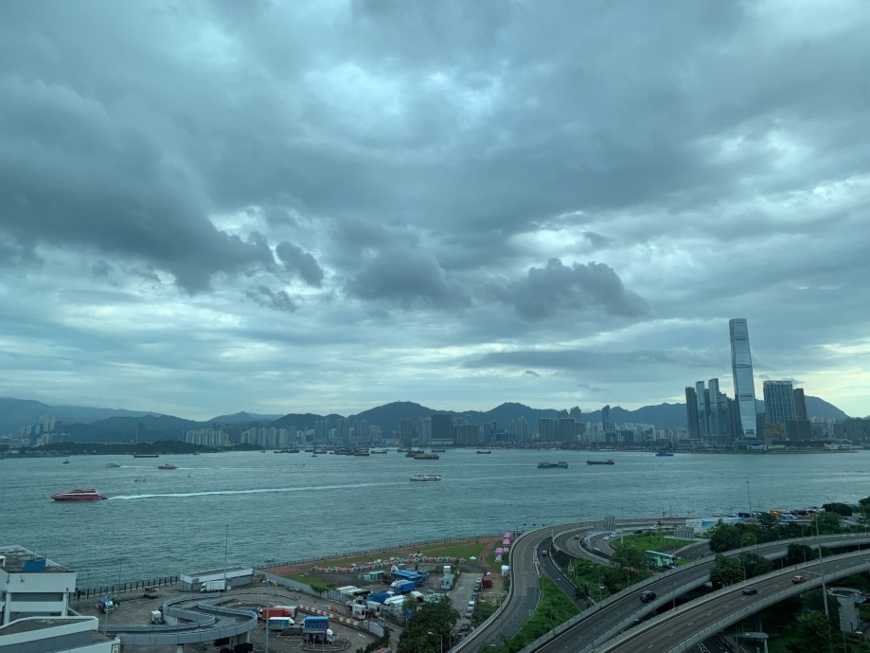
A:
x: 680, y: 629
x: 603, y: 621
x: 200, y: 619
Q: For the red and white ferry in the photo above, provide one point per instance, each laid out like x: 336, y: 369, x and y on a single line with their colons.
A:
x: 88, y: 494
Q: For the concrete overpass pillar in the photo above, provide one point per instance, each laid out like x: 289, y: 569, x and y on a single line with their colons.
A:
x: 179, y: 648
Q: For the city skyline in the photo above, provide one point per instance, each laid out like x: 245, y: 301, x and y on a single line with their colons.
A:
x: 208, y: 208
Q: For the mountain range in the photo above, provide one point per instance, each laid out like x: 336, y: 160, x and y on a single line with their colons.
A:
x: 119, y: 425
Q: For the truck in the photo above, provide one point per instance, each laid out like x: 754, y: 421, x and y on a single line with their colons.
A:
x: 404, y: 574
x: 150, y: 593
x: 156, y: 617
x: 321, y: 637
x: 403, y: 586
x: 278, y: 611
x: 278, y: 624
x: 316, y: 622
x: 378, y: 597
x: 213, y: 585
x: 106, y: 605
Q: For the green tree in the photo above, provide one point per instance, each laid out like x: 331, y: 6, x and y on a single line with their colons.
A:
x: 864, y: 509
x: 842, y: 509
x: 767, y: 522
x: 627, y: 557
x: 427, y: 628
x: 799, y: 553
x: 726, y: 571
x: 828, y: 523
x: 755, y: 565
x: 813, y: 634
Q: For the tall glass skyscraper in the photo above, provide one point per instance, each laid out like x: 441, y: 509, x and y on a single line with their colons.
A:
x: 744, y: 384
x: 779, y: 405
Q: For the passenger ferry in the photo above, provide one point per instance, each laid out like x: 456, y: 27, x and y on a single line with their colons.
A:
x: 89, y: 494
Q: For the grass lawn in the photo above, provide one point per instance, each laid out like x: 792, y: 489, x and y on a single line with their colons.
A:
x: 654, y: 541
x: 452, y: 549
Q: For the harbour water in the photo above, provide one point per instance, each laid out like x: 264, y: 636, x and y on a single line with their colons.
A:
x: 247, y: 508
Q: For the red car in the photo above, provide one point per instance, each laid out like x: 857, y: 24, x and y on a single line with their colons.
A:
x: 797, y: 580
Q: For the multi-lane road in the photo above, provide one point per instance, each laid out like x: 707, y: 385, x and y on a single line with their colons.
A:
x: 684, y: 627
x: 602, y: 622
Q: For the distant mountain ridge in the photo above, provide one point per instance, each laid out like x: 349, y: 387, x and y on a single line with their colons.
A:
x: 115, y: 425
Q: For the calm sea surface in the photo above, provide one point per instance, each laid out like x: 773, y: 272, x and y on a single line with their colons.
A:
x: 251, y: 507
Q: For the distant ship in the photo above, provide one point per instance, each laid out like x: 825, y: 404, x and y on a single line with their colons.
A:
x: 413, y: 453
x: 484, y: 451
x: 146, y: 455
x: 89, y: 494
x: 426, y: 477
x: 609, y: 461
x: 548, y: 465
x: 426, y: 456
x: 664, y: 453
x: 167, y: 466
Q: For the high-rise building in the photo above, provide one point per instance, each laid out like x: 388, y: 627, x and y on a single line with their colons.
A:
x: 692, y: 413
x: 442, y: 427
x: 406, y: 432
x: 607, y: 421
x: 703, y: 409
x: 778, y: 402
x: 744, y: 383
x: 800, y: 405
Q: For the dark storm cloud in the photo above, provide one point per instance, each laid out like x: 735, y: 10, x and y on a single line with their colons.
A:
x: 430, y: 156
x: 558, y: 288
x: 301, y: 262
x: 280, y: 300
x: 72, y: 176
x: 409, y: 278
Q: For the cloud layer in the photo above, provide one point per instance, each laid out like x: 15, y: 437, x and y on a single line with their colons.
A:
x: 326, y: 206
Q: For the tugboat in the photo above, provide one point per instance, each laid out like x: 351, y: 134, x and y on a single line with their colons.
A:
x: 89, y: 494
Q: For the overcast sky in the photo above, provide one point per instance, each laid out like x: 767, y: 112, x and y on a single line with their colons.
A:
x: 325, y: 206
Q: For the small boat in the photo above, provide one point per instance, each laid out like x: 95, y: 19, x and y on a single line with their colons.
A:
x: 426, y: 477
x: 426, y: 456
x: 112, y: 465
x: 609, y: 461
x: 167, y: 466
x: 484, y: 451
x: 438, y: 450
x: 89, y: 494
x: 66, y: 462
x: 146, y: 455
x: 379, y: 451
x: 663, y: 454
x: 548, y: 465
x: 138, y: 480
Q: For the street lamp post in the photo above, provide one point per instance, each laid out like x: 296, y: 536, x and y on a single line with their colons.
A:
x: 749, y: 498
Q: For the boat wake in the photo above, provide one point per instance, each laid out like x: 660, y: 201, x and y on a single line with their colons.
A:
x: 270, y: 490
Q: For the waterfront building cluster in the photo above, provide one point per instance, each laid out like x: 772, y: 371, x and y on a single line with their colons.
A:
x: 715, y: 420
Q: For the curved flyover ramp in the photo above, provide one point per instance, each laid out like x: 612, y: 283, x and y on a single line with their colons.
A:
x: 201, y: 619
